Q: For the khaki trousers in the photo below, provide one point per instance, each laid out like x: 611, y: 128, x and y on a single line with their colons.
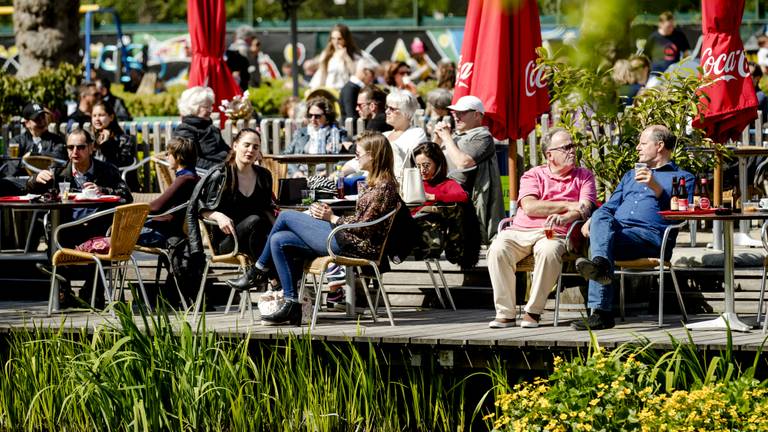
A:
x: 511, y: 246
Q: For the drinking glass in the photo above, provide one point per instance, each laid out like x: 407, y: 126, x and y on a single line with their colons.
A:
x: 549, y: 230
x: 362, y: 185
x: 13, y: 150
x: 64, y: 191
x: 640, y: 165
x: 307, y: 196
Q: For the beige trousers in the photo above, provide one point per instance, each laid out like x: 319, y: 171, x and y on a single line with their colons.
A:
x: 511, y: 246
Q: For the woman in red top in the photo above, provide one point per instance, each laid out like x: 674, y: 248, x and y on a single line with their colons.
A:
x: 438, y: 188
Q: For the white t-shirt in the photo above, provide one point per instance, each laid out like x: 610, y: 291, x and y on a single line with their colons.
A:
x: 762, y: 57
x: 402, y: 147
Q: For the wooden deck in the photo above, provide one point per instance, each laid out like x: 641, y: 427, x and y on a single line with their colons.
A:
x: 435, y: 329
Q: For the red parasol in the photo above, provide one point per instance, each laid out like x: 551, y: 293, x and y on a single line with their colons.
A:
x: 207, y: 21
x: 498, y: 65
x: 732, y: 102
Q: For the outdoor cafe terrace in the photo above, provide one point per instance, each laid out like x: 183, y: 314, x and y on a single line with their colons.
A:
x: 421, y: 322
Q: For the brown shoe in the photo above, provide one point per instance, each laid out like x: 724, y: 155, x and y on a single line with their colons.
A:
x: 530, y: 320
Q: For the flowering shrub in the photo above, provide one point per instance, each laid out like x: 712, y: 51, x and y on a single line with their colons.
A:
x: 617, y: 392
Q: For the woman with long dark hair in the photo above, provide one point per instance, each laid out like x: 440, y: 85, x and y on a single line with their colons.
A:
x: 296, y: 236
x: 337, y: 60
x: 438, y: 188
x: 112, y: 144
x: 238, y: 197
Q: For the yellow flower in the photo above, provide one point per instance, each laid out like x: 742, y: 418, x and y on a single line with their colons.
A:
x: 594, y: 402
x: 563, y: 416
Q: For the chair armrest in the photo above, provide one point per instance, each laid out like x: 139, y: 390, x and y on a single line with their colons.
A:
x: 353, y: 226
x: 764, y: 235
x: 213, y: 223
x: 78, y: 222
x: 170, y: 210
x: 133, y: 167
x: 573, y: 236
x: 504, y: 223
x: 668, y: 232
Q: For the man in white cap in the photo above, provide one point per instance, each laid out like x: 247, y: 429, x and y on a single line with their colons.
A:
x: 471, y: 155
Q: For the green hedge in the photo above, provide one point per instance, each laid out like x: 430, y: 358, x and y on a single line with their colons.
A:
x: 50, y: 87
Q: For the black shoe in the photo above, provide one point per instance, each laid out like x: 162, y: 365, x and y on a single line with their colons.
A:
x: 47, y: 269
x: 599, y: 320
x: 598, y: 270
x: 289, y: 313
x: 252, y: 278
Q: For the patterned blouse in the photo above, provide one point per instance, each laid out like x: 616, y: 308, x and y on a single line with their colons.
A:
x: 374, y: 203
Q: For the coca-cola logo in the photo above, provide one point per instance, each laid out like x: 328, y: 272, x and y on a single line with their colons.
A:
x: 534, y: 78
x: 464, y: 71
x: 724, y: 65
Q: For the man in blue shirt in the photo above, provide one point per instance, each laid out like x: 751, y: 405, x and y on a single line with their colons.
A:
x: 629, y: 226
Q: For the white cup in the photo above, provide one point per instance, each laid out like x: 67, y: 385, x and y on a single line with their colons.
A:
x: 764, y: 203
x: 64, y: 190
x: 90, y: 193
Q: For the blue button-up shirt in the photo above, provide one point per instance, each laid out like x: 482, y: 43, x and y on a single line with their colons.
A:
x: 635, y: 204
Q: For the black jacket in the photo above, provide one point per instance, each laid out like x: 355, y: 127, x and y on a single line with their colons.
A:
x: 212, y: 150
x: 52, y: 145
x: 118, y: 150
x: 208, y: 195
x: 378, y: 123
x: 106, y: 177
x: 348, y: 99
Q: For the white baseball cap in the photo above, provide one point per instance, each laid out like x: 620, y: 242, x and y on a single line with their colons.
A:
x: 468, y: 103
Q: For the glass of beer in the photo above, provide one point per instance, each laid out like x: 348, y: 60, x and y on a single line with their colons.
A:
x: 549, y: 229
x: 13, y: 150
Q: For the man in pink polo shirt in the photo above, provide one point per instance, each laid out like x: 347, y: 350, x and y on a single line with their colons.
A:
x: 551, y: 196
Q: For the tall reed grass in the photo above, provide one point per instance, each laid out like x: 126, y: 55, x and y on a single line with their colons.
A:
x: 124, y: 377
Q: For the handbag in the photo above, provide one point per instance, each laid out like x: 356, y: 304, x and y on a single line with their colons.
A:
x: 413, y: 187
x: 271, y: 301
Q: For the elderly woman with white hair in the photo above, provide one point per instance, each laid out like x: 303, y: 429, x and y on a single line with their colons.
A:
x: 195, y: 107
x: 404, y: 136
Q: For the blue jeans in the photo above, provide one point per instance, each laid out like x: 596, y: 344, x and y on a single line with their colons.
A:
x: 294, y: 238
x: 613, y: 241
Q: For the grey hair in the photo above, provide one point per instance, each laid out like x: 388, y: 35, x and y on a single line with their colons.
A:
x: 546, y: 140
x: 440, y: 98
x: 663, y: 134
x: 245, y: 32
x: 192, y: 98
x: 404, y: 101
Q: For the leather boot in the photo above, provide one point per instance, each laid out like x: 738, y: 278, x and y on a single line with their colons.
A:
x: 289, y: 313
x: 252, y: 277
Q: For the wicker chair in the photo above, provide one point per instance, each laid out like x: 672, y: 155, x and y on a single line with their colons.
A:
x: 318, y: 267
x: 33, y: 164
x: 234, y: 258
x: 164, y: 253
x: 126, y: 226
x: 528, y: 263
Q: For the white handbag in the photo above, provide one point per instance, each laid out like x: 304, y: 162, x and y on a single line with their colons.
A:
x: 413, y: 187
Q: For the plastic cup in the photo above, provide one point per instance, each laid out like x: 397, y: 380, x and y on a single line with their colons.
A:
x: 307, y: 196
x: 64, y: 191
x: 640, y: 165
x: 549, y: 230
x: 362, y: 185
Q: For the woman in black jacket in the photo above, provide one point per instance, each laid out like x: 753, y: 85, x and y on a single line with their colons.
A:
x: 113, y: 145
x: 195, y: 107
x: 238, y: 197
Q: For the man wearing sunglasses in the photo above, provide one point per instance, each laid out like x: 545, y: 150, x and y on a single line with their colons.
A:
x: 83, y: 173
x: 551, y: 197
x: 629, y: 226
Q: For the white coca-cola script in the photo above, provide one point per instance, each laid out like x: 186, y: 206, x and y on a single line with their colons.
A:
x: 464, y: 71
x: 534, y: 78
x: 724, y: 65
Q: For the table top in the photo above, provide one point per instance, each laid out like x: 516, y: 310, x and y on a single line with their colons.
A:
x: 58, y: 205
x: 309, y: 158
x: 749, y: 150
x: 681, y: 216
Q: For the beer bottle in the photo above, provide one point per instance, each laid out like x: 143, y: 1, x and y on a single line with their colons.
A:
x: 696, y: 194
x: 704, y: 201
x: 682, y: 198
x: 673, y: 204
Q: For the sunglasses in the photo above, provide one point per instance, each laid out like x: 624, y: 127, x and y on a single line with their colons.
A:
x: 391, y: 108
x: 565, y: 148
x: 316, y: 115
x: 73, y: 147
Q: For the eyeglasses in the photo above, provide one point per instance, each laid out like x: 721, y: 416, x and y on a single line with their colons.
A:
x: 404, y: 72
x: 462, y: 113
x: 359, y: 104
x: 425, y: 165
x: 73, y: 147
x: 565, y: 149
x: 317, y: 116
x: 391, y: 108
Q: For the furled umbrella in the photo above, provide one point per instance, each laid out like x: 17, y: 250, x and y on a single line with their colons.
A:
x: 207, y: 21
x: 498, y: 65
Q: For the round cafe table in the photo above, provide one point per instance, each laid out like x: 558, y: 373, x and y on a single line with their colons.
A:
x: 729, y: 317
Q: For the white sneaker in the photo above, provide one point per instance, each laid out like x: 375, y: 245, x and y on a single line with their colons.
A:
x: 530, y: 322
x: 506, y: 323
